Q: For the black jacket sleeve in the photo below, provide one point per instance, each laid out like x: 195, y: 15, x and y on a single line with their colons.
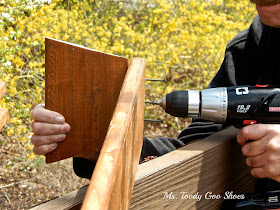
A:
x: 83, y: 167
x: 198, y: 129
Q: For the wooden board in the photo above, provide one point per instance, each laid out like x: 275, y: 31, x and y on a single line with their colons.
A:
x: 214, y: 164
x: 113, y: 178
x: 2, y: 89
x: 4, y: 114
x: 71, y: 201
x: 83, y: 85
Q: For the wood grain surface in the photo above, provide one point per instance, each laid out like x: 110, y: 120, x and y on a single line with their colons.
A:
x: 2, y: 89
x: 71, y: 201
x: 4, y: 114
x: 214, y: 164
x: 113, y: 177
x: 83, y: 85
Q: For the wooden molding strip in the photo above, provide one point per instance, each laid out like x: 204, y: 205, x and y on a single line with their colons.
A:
x: 4, y: 114
x: 2, y: 89
x: 113, y: 178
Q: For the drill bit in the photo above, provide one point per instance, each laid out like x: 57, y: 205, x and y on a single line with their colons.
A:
x: 153, y: 102
x: 156, y: 80
x: 151, y: 120
x: 161, y: 103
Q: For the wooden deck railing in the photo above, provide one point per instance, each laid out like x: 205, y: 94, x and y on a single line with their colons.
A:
x: 214, y: 165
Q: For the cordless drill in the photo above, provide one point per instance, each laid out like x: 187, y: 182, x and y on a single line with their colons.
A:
x: 238, y: 105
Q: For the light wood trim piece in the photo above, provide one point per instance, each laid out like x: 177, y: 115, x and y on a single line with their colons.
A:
x: 214, y: 164
x: 4, y: 116
x: 4, y: 113
x: 2, y: 89
x: 113, y: 178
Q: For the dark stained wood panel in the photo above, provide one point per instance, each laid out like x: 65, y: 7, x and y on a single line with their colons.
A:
x: 83, y: 85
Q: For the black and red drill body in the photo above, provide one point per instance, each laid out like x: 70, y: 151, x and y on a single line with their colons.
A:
x: 238, y: 105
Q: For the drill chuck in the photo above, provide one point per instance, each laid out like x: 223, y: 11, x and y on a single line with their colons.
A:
x: 214, y: 104
x: 209, y: 104
x: 181, y: 103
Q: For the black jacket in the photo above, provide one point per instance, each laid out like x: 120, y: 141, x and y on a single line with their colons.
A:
x: 252, y: 57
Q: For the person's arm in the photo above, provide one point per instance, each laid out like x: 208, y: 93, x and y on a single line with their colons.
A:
x: 225, y: 77
x: 200, y: 129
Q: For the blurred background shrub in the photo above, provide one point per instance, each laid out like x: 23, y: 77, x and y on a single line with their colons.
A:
x: 181, y: 40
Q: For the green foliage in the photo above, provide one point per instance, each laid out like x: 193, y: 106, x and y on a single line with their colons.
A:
x: 182, y: 41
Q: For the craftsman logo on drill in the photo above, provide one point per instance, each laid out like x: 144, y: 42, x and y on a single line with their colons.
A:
x: 242, y: 91
x: 274, y: 109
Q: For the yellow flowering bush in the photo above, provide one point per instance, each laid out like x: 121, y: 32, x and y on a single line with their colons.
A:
x: 183, y: 42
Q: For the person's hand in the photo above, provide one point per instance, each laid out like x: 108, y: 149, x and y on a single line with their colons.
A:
x: 262, y: 150
x: 49, y: 128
